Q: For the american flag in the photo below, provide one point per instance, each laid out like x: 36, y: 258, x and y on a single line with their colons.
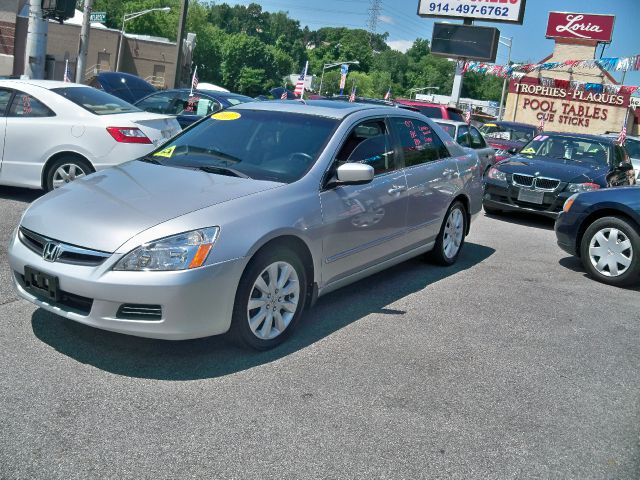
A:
x: 622, y: 137
x: 284, y: 95
x: 67, y: 72
x: 467, y: 116
x: 387, y: 96
x: 299, y: 90
x: 541, y: 124
x: 352, y: 97
x: 194, y: 79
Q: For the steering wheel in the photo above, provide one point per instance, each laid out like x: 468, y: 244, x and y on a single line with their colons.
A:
x: 300, y: 158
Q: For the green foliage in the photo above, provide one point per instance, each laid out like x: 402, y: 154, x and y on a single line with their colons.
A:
x: 250, y: 51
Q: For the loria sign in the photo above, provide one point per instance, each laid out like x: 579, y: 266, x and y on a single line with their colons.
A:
x: 580, y: 26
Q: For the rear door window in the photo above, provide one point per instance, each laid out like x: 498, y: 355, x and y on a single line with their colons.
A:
x: 477, y: 141
x: 463, y: 136
x: 419, y: 142
x: 25, y: 105
x: 195, y: 104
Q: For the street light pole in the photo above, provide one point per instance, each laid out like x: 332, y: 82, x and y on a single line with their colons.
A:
x: 130, y: 16
x: 331, y: 65
x: 504, y: 82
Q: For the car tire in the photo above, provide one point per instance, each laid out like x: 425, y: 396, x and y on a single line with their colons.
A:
x: 451, y: 237
x: 491, y: 211
x: 64, y: 170
x: 596, y: 240
x: 261, y: 327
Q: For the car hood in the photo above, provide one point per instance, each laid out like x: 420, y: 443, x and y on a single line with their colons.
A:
x: 563, y: 170
x: 105, y: 209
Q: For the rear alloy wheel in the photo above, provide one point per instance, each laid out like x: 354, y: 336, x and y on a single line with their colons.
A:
x: 610, y: 251
x: 270, y: 299
x: 451, y: 238
x: 65, y: 170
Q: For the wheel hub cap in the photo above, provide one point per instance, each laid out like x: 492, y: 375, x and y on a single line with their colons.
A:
x: 610, y: 252
x: 66, y: 173
x: 453, y: 233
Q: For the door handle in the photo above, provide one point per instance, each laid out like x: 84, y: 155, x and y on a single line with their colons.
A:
x: 396, y: 189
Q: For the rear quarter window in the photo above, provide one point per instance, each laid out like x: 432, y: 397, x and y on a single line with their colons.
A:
x: 453, y: 115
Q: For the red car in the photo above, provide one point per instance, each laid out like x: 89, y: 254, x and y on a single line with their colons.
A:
x: 434, y: 110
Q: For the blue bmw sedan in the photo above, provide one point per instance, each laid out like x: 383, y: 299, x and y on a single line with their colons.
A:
x: 603, y: 229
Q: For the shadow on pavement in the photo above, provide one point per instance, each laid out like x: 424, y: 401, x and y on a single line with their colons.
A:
x: 26, y: 195
x: 575, y: 264
x: 216, y: 356
x: 524, y: 219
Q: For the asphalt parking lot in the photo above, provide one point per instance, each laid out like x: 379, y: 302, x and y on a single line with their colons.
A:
x: 512, y: 364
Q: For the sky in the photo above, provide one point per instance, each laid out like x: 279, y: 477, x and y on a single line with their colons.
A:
x: 399, y: 19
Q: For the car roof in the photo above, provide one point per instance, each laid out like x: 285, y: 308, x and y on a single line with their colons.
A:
x: 582, y: 136
x: 510, y: 124
x: 449, y: 122
x: 48, y: 84
x: 322, y: 108
x: 615, y: 135
x: 213, y: 93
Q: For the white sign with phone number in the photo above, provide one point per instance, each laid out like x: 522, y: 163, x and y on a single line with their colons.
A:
x: 511, y: 11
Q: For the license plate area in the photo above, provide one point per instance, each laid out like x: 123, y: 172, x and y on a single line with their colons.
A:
x: 530, y: 196
x: 42, y: 284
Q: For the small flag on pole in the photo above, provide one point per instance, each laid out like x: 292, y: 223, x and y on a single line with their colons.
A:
x: 284, y: 95
x: 467, y: 116
x: 622, y: 137
x: 352, y: 97
x: 194, y: 80
x: 67, y: 72
x: 299, y: 90
x: 387, y: 96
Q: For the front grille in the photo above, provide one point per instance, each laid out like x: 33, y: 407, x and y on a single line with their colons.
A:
x: 538, y: 183
x: 522, y: 180
x: 69, y: 302
x: 547, y: 183
x: 70, y: 254
x: 130, y: 311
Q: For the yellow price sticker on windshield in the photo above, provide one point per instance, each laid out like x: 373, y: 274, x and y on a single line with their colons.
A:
x: 490, y: 125
x: 226, y: 116
x: 528, y: 151
x: 167, y: 152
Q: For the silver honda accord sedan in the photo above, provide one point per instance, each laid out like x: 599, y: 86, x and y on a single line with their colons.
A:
x: 243, y: 220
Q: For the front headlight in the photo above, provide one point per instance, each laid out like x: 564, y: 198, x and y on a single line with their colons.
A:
x: 496, y: 174
x: 582, y: 187
x: 178, y: 252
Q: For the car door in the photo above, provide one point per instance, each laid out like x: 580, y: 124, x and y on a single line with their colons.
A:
x: 364, y: 224
x: 432, y: 178
x: 5, y: 97
x: 30, y: 132
x: 485, y: 152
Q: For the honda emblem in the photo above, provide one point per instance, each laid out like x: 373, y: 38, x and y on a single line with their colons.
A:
x: 51, y: 251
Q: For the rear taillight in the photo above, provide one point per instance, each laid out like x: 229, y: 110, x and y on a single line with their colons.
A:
x: 128, y: 135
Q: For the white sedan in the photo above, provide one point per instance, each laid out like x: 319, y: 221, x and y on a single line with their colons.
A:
x: 53, y: 132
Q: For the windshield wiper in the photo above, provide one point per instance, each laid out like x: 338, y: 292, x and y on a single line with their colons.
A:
x: 230, y: 172
x: 150, y: 159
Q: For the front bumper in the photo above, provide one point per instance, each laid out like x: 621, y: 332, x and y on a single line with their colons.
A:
x: 194, y: 303
x: 502, y: 196
x: 567, y: 227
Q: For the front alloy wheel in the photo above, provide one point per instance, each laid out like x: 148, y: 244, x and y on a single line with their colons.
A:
x: 610, y: 249
x: 270, y: 298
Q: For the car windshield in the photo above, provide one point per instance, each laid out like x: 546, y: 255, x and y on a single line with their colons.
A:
x: 264, y: 145
x: 568, y: 148
x: 96, y: 101
x: 633, y: 148
x: 512, y: 133
x: 450, y: 129
x: 238, y: 99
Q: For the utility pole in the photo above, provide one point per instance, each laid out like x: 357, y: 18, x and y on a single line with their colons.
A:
x: 457, y: 80
x: 81, y: 64
x: 181, y: 27
x: 504, y: 82
x: 36, y: 47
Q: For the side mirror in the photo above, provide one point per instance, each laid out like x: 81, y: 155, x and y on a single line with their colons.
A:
x: 512, y: 150
x: 354, y: 174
